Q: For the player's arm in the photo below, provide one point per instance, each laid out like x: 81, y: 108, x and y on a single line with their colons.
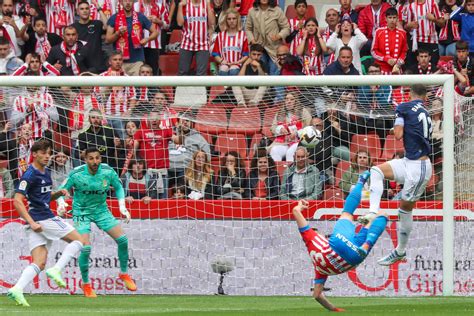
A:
x: 398, y: 125
x: 300, y: 220
x: 319, y: 296
x: 21, y: 209
x: 120, y: 194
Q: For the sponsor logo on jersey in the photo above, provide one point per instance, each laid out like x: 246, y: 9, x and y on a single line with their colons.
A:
x: 94, y: 192
x: 47, y: 189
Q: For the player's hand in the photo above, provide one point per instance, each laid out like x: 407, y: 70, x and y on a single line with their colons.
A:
x: 146, y: 200
x: 302, y: 205
x: 36, y: 227
x: 63, y: 192
x: 125, y: 213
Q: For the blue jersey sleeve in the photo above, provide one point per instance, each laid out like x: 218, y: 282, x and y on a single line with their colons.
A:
x: 24, y: 185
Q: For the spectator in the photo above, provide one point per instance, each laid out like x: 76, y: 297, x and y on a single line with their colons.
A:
x: 245, y: 6
x: 151, y: 144
x: 253, y: 66
x: 103, y: 9
x: 71, y: 57
x: 34, y: 67
x: 198, y: 22
x: 291, y: 118
x: 289, y: 64
x: 8, y: 61
x: 312, y: 49
x: 370, y: 19
x: 131, y: 128
x: 422, y: 18
x: 59, y: 14
x: 348, y: 34
x: 125, y: 29
x: 60, y: 166
x: 437, y: 125
x: 332, y: 20
x: 231, y: 182
x: 301, y: 180
x: 389, y: 47
x: 38, y: 41
x: 465, y: 16
x: 137, y: 183
x: 231, y: 48
x: 178, y: 192
x: 187, y: 142
x: 198, y: 177
x: 267, y: 25
x: 157, y: 13
x: 121, y: 101
x: 90, y: 31
x: 6, y: 184
x: 144, y: 95
x: 264, y: 181
x: 343, y: 65
x: 102, y: 137
x: 36, y: 108
x: 219, y: 8
x: 424, y: 65
x: 449, y: 34
x: 340, y: 133
x: 346, y: 8
x: 17, y: 151
x: 297, y: 26
x: 159, y: 100
x: 320, y: 155
x: 463, y: 69
x: 361, y: 162
x: 12, y: 27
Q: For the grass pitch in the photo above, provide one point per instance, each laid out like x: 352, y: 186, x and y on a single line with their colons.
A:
x: 52, y: 305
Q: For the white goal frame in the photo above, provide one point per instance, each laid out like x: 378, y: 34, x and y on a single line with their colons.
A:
x: 448, y: 116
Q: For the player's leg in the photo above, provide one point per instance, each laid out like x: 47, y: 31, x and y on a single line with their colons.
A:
x: 39, y: 256
x: 83, y: 227
x: 372, y: 232
x: 354, y: 198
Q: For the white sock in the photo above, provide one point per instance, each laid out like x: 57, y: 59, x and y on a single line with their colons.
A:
x: 403, y: 233
x: 27, y: 276
x: 70, y: 251
x: 376, y: 189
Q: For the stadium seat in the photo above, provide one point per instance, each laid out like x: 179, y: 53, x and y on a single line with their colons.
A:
x: 231, y: 142
x: 215, y: 91
x: 369, y: 142
x: 392, y: 146
x: 333, y: 193
x: 281, y: 166
x: 341, y: 168
x: 291, y: 12
x: 268, y: 117
x: 211, y: 120
x: 245, y: 121
x: 169, y: 65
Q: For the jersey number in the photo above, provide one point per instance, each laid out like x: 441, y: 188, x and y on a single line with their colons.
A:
x: 426, y: 121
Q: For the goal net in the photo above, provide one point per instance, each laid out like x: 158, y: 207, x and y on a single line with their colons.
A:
x: 212, y: 167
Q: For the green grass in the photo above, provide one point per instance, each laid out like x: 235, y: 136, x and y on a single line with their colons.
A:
x: 51, y: 305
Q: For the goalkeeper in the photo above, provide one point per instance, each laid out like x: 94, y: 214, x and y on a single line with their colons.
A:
x: 91, y: 183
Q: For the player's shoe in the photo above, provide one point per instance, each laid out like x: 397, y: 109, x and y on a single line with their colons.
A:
x: 55, y: 274
x: 17, y: 296
x: 129, y: 284
x: 365, y: 219
x: 364, y: 177
x: 392, y: 258
x: 88, y: 290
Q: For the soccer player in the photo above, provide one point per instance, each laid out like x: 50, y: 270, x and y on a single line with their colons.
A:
x: 91, y: 182
x: 413, y: 124
x: 42, y: 225
x: 345, y: 249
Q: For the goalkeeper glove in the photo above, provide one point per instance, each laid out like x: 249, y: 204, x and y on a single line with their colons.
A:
x: 62, y: 207
x: 124, y: 211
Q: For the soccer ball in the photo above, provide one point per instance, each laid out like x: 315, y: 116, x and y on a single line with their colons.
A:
x: 309, y: 136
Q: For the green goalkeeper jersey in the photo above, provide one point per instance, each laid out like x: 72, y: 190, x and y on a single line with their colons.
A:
x: 90, y: 191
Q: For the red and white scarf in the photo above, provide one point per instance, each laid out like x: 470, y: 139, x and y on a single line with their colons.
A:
x: 59, y: 13
x: 76, y: 116
x: 42, y: 46
x: 428, y: 70
x: 396, y: 51
x: 122, y: 42
x: 71, y: 58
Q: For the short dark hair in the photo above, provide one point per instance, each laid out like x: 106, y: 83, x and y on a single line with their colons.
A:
x: 348, y: 48
x: 4, y: 41
x: 462, y: 45
x: 297, y: 2
x: 83, y: 2
x: 391, y: 11
x: 423, y: 51
x: 40, y: 18
x: 42, y: 144
x: 69, y: 27
x: 257, y: 48
x: 419, y: 90
x: 90, y: 150
x: 115, y: 53
x: 374, y: 64
x: 35, y: 56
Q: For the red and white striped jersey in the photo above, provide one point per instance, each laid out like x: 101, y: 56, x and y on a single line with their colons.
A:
x: 160, y: 10
x: 443, y: 33
x: 299, y: 37
x: 326, y: 35
x: 325, y: 260
x: 79, y: 112
x: 195, y: 35
x: 119, y: 97
x: 38, y: 117
x: 231, y: 48
x: 313, y: 64
x: 59, y: 14
x: 426, y: 32
x: 109, y: 7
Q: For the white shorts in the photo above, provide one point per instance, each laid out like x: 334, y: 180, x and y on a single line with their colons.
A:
x: 413, y: 174
x: 53, y: 229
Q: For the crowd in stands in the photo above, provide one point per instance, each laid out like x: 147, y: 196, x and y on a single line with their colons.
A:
x: 162, y: 154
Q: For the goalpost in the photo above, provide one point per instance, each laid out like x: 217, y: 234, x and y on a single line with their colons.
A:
x: 207, y: 224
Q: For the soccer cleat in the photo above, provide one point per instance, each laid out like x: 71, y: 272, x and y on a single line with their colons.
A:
x: 17, y: 296
x: 365, y: 219
x: 55, y: 274
x: 364, y: 177
x: 88, y: 290
x: 129, y: 283
x: 391, y: 258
